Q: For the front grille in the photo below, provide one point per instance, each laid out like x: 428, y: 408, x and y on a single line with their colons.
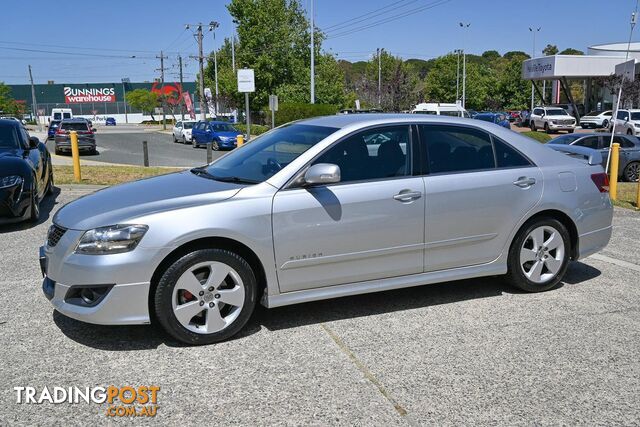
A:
x: 55, y: 234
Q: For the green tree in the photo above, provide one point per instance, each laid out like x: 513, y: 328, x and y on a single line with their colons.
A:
x: 550, y: 50
x: 514, y: 92
x: 516, y: 53
x: 571, y: 51
x: 491, y: 55
x: 143, y: 99
x: 8, y: 105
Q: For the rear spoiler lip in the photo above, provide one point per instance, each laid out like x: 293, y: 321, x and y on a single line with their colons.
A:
x: 593, y: 156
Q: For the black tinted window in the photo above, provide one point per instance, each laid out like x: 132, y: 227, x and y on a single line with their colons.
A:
x: 74, y: 126
x: 454, y: 149
x: 8, y: 137
x: 624, y: 142
x: 373, y: 154
x: 589, y: 142
x: 507, y: 156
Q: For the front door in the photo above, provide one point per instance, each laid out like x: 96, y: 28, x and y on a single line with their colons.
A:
x: 368, y: 226
x: 477, y: 190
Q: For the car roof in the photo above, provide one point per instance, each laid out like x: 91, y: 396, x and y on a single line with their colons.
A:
x: 10, y: 122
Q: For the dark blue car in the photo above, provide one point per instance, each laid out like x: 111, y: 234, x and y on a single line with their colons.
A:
x: 110, y: 121
x: 497, y: 118
x: 53, y: 127
x: 221, y: 135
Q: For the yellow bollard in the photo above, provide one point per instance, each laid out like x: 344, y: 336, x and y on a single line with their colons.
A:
x: 613, y: 178
x: 75, y: 154
x: 638, y: 195
x: 240, y: 139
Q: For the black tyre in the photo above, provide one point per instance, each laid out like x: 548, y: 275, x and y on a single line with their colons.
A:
x: 546, y: 128
x: 50, y: 183
x: 174, y: 139
x: 533, y: 126
x: 630, y: 132
x: 570, y: 131
x: 539, y: 255
x: 206, y: 296
x: 184, y: 140
x: 605, y: 124
x: 215, y: 146
x: 34, y: 208
x: 632, y: 172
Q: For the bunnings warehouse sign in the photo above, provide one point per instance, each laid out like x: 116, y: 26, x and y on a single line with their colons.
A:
x: 78, y: 95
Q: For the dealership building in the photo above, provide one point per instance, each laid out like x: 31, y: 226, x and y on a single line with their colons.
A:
x: 96, y: 101
x: 600, y: 61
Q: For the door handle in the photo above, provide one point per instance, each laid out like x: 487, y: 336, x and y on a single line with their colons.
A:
x: 407, y: 195
x: 524, y: 182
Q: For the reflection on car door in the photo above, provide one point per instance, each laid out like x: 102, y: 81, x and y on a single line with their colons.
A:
x: 368, y: 226
x: 472, y: 204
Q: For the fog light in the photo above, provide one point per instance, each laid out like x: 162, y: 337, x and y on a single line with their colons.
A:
x: 87, y: 296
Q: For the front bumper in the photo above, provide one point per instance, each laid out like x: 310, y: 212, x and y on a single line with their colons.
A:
x: 127, y: 276
x: 228, y: 144
x: 561, y: 126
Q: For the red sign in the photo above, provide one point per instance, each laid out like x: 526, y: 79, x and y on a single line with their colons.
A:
x: 170, y: 92
x: 78, y: 95
x: 189, y: 104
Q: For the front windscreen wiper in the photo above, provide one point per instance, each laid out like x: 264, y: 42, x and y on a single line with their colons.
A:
x: 235, y: 179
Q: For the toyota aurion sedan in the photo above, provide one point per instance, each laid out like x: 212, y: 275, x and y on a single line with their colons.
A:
x: 324, y: 208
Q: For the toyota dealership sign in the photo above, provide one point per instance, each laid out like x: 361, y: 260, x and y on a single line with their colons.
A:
x: 78, y: 95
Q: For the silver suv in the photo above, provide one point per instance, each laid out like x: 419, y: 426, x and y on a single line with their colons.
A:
x: 552, y: 119
x: 324, y: 208
x: 627, y: 122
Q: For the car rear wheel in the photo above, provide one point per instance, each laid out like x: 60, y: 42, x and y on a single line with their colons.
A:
x: 175, y: 139
x: 184, y: 140
x: 632, y: 172
x: 206, y: 296
x: 539, y: 255
x: 533, y: 126
x: 605, y: 124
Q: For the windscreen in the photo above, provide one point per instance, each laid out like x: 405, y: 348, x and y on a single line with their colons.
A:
x: 74, y: 126
x: 556, y: 112
x: 223, y: 127
x: 8, y: 138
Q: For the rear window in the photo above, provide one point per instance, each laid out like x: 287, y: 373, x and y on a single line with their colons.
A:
x: 74, y: 126
x: 188, y: 125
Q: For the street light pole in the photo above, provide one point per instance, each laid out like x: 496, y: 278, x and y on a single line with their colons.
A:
x: 124, y: 98
x: 212, y: 27
x: 313, y: 65
x: 533, y: 55
x: 379, y: 53
x: 464, y: 63
x: 458, y: 77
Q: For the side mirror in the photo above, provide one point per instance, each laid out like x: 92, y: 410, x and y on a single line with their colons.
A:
x: 93, y: 129
x: 322, y: 173
x: 33, y: 142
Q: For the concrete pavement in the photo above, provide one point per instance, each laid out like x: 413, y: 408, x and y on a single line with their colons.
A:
x: 473, y: 352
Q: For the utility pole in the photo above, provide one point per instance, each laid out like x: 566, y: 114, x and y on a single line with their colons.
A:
x: 233, y: 47
x: 34, y: 105
x: 313, y: 49
x: 458, y: 77
x: 212, y: 27
x: 199, y: 37
x: 379, y: 53
x: 124, y: 97
x: 181, y: 90
x: 161, y: 69
x: 464, y: 63
x: 533, y: 55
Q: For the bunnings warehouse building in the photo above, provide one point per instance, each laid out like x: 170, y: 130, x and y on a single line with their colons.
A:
x: 95, y: 101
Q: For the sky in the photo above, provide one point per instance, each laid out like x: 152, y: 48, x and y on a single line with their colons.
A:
x: 84, y: 42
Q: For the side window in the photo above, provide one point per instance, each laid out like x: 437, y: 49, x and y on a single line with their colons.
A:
x: 179, y: 124
x: 24, y: 137
x: 622, y: 115
x: 456, y: 149
x: 624, y: 142
x: 373, y: 154
x: 589, y: 142
x: 507, y: 156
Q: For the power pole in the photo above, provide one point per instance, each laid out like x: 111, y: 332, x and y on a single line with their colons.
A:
x: 379, y: 53
x: 161, y: 69
x: 533, y: 55
x: 34, y: 105
x: 458, y: 77
x: 212, y: 27
x: 464, y: 64
x: 199, y: 37
x: 313, y: 48
x: 233, y: 52
x: 181, y: 90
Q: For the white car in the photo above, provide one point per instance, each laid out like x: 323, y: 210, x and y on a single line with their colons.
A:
x: 440, y: 109
x: 627, y: 122
x: 182, y: 131
x: 552, y: 119
x: 596, y: 119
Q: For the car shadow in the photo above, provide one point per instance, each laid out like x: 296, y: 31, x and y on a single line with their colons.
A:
x: 47, y: 206
x: 143, y: 337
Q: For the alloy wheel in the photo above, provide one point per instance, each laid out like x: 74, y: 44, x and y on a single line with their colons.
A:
x: 208, y: 297
x: 542, y: 254
x: 632, y: 172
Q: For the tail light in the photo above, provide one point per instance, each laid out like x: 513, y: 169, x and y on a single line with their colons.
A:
x: 601, y: 180
x: 60, y: 132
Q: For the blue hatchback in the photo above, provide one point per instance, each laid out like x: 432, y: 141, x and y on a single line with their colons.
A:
x: 219, y: 134
x: 497, y: 118
x: 53, y: 127
x: 111, y: 121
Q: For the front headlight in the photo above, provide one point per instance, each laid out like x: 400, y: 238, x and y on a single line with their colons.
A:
x: 10, y: 181
x: 114, y: 239
x: 553, y: 122
x: 224, y: 138
x: 637, y: 125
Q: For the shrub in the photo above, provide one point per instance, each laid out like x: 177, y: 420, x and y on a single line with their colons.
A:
x: 288, y: 112
x: 255, y: 129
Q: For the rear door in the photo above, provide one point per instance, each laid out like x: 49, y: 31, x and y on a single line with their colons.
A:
x: 477, y: 189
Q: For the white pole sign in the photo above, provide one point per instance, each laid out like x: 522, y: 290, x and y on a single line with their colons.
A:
x: 246, y: 80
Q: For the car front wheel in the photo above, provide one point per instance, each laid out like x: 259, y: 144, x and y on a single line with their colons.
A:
x: 206, y: 296
x: 539, y: 255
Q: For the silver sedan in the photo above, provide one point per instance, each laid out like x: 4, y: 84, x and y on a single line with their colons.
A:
x: 324, y: 208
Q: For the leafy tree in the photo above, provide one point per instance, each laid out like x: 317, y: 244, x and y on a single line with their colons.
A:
x: 8, y: 105
x: 143, y: 99
x: 571, y: 51
x: 550, y: 50
x: 516, y: 53
x: 491, y: 55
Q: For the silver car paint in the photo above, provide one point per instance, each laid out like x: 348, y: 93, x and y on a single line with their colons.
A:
x: 180, y: 208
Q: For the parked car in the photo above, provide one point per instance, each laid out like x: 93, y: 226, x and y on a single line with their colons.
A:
x: 305, y: 213
x: 627, y: 122
x: 551, y: 119
x: 569, y: 109
x: 26, y: 174
x: 219, y: 134
x: 629, y: 160
x: 86, y: 136
x: 441, y: 109
x: 596, y: 119
x: 110, y: 121
x: 52, y: 128
x: 497, y: 118
x: 182, y: 131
